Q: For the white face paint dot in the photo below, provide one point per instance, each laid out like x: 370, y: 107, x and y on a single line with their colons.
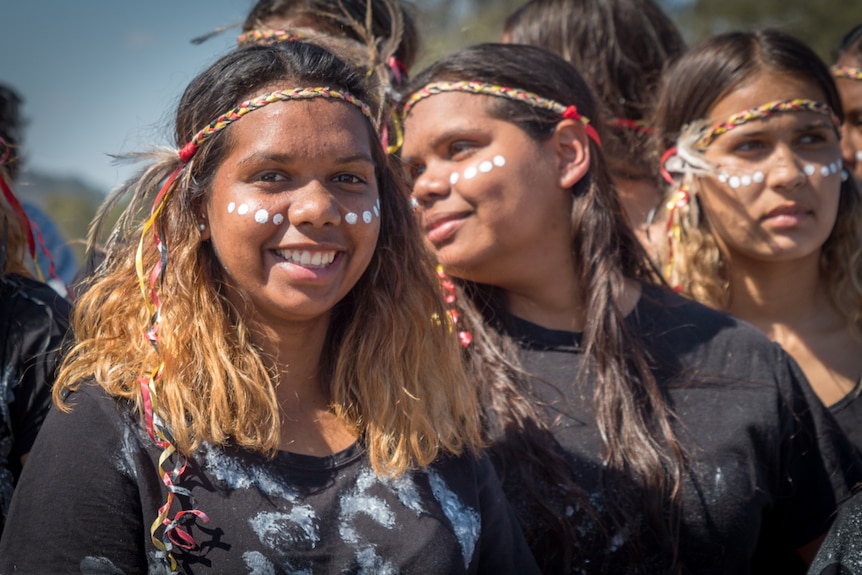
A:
x: 844, y: 175
x: 824, y: 170
x: 859, y: 155
x: 453, y: 179
x: 758, y: 177
x: 377, y: 203
x: 351, y: 218
x: 277, y: 219
x: 485, y: 167
x: 376, y: 212
x: 733, y: 182
x: 414, y: 203
x: 809, y: 170
x: 499, y: 161
x: 242, y: 209
x: 366, y: 217
x: 722, y: 177
x: 231, y: 207
x: 261, y: 216
x: 470, y: 173
x: 746, y: 180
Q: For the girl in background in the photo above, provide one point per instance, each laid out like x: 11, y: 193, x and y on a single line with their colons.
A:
x: 847, y: 71
x: 635, y: 431
x: 763, y: 221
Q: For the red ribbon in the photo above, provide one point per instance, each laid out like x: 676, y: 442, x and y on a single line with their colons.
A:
x: 572, y: 113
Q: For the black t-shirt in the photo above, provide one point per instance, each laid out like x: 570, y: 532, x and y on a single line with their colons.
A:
x: 90, y: 492
x: 33, y: 322
x: 767, y: 463
x: 841, y: 552
x: 848, y: 414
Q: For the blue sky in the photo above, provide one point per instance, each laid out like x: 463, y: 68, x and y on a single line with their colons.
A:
x: 103, y: 76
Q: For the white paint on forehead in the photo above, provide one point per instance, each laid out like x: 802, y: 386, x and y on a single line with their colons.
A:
x: 261, y: 216
x: 465, y: 521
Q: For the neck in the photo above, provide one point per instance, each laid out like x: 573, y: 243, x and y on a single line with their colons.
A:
x: 771, y: 294
x: 550, y: 304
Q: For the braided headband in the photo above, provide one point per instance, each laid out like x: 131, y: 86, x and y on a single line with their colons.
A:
x: 225, y: 120
x: 846, y: 72
x: 569, y: 112
x: 259, y: 37
x: 764, y: 111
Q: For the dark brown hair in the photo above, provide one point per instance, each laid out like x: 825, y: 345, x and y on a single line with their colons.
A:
x: 621, y: 47
x: 631, y: 411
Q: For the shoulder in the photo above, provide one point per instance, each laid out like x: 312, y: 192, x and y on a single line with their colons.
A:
x: 704, y: 339
x: 841, y: 551
x: 30, y: 301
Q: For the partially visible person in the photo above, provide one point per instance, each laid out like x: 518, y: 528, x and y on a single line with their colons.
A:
x: 33, y: 322
x: 635, y: 431
x: 764, y: 222
x: 55, y: 260
x: 622, y: 48
x: 258, y: 384
x: 847, y: 69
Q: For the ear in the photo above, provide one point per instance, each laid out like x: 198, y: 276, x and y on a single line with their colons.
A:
x: 202, y: 221
x: 571, y: 144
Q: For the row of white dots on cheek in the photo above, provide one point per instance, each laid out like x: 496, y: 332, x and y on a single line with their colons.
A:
x: 261, y: 216
x: 482, y: 167
x: 758, y: 176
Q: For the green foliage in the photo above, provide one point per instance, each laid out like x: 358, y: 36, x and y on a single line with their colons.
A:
x: 820, y: 24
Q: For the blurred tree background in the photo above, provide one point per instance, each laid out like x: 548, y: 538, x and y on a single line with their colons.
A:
x: 450, y: 24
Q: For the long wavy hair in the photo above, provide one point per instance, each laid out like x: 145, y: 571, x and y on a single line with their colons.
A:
x: 700, y: 79
x: 622, y: 48
x: 631, y: 410
x: 395, y: 376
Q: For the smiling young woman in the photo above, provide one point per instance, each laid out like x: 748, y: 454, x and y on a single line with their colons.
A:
x: 764, y: 218
x: 257, y: 385
x: 635, y: 431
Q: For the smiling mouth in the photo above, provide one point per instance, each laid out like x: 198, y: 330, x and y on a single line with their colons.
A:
x: 308, y: 258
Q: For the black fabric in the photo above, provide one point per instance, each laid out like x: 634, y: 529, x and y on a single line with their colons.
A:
x: 90, y: 491
x: 33, y: 322
x: 767, y: 462
x: 848, y: 414
x: 841, y: 552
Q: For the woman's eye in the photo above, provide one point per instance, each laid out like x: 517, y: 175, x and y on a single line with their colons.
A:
x: 414, y: 172
x: 348, y: 179
x: 460, y: 149
x: 811, y: 138
x: 748, y: 146
x: 272, y: 177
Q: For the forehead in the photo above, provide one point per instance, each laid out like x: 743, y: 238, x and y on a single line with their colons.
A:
x: 444, y: 113
x: 763, y: 88
x: 296, y: 127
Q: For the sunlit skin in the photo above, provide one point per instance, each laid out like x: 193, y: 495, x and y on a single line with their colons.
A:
x: 850, y: 91
x: 771, y: 233
x: 311, y: 162
x: 509, y: 227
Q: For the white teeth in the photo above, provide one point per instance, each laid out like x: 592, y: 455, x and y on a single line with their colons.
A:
x: 307, y: 258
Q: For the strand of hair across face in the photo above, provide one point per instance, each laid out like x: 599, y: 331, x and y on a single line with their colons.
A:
x: 174, y: 534
x: 498, y: 91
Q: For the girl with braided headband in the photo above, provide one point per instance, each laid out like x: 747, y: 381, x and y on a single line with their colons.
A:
x: 256, y: 385
x: 763, y: 217
x: 635, y: 431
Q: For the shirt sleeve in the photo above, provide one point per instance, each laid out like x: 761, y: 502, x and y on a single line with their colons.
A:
x: 78, y: 503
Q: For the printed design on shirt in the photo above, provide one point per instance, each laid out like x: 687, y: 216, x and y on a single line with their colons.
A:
x: 262, y: 216
x: 98, y: 566
x: 124, y: 459
x: 465, y: 521
x: 358, y: 501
